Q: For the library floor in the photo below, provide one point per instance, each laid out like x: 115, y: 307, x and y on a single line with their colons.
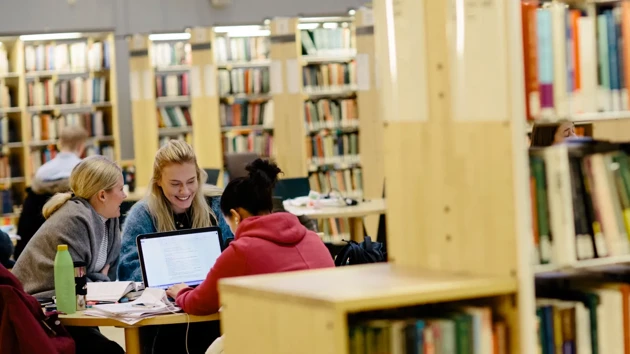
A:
x: 115, y: 334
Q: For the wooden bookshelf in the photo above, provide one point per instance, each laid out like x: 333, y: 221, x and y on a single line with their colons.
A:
x: 457, y: 183
x: 54, y: 81
x: 246, y: 105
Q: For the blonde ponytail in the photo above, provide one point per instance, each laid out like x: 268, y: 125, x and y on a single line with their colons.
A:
x: 54, y: 203
x: 91, y: 175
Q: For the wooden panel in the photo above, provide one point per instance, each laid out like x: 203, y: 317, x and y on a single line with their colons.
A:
x: 113, y: 95
x: 205, y: 109
x: 615, y: 130
x: 143, y: 111
x: 289, y: 133
x: 370, y: 120
x: 369, y: 287
x: 278, y: 326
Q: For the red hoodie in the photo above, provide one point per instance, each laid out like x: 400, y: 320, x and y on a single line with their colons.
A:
x: 271, y: 243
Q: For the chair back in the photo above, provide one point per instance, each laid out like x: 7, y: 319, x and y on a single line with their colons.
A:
x: 235, y: 163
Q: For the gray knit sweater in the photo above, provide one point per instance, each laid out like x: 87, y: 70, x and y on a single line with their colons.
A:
x: 78, y: 225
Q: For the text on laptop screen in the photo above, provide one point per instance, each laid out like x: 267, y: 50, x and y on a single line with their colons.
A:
x: 185, y: 258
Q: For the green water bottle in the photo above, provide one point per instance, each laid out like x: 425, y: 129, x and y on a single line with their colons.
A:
x: 65, y: 291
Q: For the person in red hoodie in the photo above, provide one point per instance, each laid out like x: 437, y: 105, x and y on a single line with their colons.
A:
x: 263, y: 242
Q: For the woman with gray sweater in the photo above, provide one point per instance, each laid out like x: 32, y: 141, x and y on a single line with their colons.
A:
x: 87, y: 221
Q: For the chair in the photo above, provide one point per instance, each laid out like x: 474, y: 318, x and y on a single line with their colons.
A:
x: 213, y: 175
x: 235, y: 163
x: 289, y: 188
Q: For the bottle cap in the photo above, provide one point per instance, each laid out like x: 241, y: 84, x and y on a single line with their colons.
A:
x: 62, y: 247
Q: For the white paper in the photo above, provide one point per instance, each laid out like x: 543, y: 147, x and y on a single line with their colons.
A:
x: 282, y: 26
x: 134, y: 85
x: 368, y: 17
x: 138, y: 41
x: 363, y: 72
x: 148, y: 84
x: 210, y: 80
x: 479, y: 66
x: 195, y: 82
x: 293, y: 76
x: 200, y: 35
x: 275, y: 74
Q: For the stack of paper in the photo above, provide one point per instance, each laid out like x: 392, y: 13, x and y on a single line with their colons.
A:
x: 109, y: 291
x: 152, y: 302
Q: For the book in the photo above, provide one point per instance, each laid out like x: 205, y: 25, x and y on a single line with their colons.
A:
x: 109, y: 291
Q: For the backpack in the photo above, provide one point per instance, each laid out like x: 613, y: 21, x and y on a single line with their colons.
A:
x: 361, y: 253
x: 24, y: 328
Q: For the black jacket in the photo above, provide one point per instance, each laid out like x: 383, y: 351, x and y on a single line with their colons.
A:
x: 31, y: 218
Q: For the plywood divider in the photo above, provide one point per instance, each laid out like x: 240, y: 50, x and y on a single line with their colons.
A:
x: 113, y: 95
x: 143, y: 108
x: 370, y: 118
x: 205, y: 101
x: 289, y: 133
x: 614, y: 130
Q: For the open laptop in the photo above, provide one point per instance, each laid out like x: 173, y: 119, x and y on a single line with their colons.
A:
x: 182, y: 256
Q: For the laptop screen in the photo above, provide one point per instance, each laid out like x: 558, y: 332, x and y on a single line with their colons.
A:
x: 169, y: 258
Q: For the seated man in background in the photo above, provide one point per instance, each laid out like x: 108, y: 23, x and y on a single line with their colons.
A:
x: 52, y: 177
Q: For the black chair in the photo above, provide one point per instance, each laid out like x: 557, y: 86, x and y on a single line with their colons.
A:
x: 289, y: 188
x: 381, y: 232
x: 213, y: 175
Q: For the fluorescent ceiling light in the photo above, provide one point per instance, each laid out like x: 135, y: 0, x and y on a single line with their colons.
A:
x: 182, y: 36
x: 330, y: 25
x: 243, y: 31
x: 308, y: 26
x: 50, y: 36
x: 352, y: 12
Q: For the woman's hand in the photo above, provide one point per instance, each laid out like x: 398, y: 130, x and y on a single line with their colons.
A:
x: 105, y: 270
x: 175, y: 289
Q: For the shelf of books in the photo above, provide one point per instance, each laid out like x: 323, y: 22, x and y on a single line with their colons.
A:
x: 577, y: 64
x: 246, y: 110
x: 460, y: 277
x: 47, y: 82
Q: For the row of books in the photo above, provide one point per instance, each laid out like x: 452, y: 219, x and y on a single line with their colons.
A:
x: 105, y: 150
x: 244, y: 113
x: 75, y: 91
x: 240, y: 49
x: 575, y: 59
x: 581, y: 201
x: 76, y: 57
x: 5, y: 65
x: 347, y: 181
x: 9, y: 166
x: 329, y: 76
x: 6, y: 99
x: 439, y: 329
x: 182, y: 136
x: 172, y: 85
x: 255, y: 141
x: 334, y: 231
x: 41, y: 156
x: 588, y: 314
x: 8, y: 200
x: 327, y: 41
x: 8, y: 133
x: 167, y: 54
x: 244, y: 81
x: 170, y: 117
x: 329, y: 148
x: 331, y: 114
x: 47, y: 127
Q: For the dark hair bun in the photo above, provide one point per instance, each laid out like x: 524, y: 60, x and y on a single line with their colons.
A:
x: 263, y: 173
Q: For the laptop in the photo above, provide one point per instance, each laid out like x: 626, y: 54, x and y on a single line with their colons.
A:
x: 182, y: 256
x: 213, y: 175
x: 289, y: 188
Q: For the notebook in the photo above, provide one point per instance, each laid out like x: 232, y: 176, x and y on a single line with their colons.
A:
x: 109, y: 291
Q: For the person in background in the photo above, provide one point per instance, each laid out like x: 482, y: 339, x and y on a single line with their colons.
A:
x: 547, y: 134
x: 175, y: 201
x: 50, y: 178
x: 264, y: 242
x: 6, y: 250
x: 87, y: 221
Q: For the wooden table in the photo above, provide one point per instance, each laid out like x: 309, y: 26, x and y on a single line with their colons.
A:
x: 132, y: 332
x: 354, y: 213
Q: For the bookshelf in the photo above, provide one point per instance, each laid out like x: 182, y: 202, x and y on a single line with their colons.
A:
x: 47, y: 82
x: 456, y: 174
x: 246, y: 109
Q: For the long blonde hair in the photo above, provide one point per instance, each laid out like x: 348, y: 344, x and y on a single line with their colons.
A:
x: 91, y: 175
x: 176, y: 152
